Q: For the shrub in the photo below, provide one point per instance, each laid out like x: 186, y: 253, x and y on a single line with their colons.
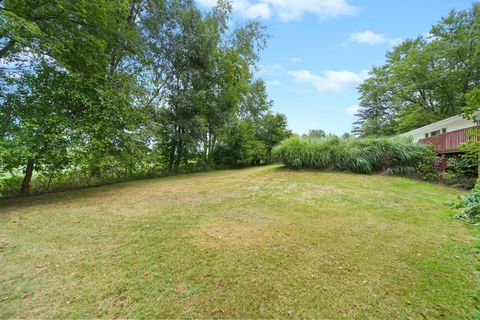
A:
x: 10, y: 185
x: 470, y: 205
x: 395, y: 155
x: 427, y: 167
x: 461, y: 171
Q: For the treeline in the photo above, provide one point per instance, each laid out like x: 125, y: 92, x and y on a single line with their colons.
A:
x: 425, y: 79
x: 118, y: 88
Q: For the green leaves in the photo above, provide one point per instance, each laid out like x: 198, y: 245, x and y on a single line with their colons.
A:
x: 425, y: 79
x: 396, y: 155
x: 473, y: 102
x: 470, y: 205
x: 40, y: 118
x: 250, y: 141
x: 111, y: 88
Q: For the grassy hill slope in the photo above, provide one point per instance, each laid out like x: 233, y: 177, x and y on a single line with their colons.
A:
x: 261, y: 242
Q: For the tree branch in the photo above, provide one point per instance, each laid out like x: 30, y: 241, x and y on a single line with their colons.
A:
x: 7, y: 47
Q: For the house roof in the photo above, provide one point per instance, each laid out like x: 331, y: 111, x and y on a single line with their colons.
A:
x: 437, y: 124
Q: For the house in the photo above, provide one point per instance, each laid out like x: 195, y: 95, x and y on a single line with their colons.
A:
x: 446, y: 135
x: 448, y: 125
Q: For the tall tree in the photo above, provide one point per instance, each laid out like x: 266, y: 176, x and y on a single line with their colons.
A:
x: 38, y: 121
x: 138, y: 85
x: 425, y: 79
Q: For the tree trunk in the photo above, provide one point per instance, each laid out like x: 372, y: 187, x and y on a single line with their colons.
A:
x: 171, y: 159
x: 178, y: 160
x: 28, y: 177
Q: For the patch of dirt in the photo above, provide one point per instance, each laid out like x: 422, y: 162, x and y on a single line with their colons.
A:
x: 314, y: 191
x: 181, y: 289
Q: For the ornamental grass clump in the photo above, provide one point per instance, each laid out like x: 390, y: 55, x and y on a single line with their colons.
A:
x: 393, y: 155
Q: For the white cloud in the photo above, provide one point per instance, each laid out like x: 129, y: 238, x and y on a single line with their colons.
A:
x: 330, y: 81
x: 288, y: 9
x: 372, y: 38
x: 261, y: 10
x: 296, y: 60
x: 352, y: 110
x: 295, y: 9
x: 249, y: 10
x: 367, y: 37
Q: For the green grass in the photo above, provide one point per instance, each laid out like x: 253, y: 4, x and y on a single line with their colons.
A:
x: 262, y: 242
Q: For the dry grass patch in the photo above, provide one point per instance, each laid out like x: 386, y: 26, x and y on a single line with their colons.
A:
x: 239, y: 228
x: 231, y: 234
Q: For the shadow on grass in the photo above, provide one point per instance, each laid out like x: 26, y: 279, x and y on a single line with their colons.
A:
x: 80, y: 192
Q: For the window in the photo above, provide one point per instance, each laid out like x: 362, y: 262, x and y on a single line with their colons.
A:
x: 434, y: 133
x: 426, y: 135
x: 444, y: 130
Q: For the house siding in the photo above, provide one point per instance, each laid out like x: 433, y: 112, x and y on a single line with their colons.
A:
x: 451, y: 124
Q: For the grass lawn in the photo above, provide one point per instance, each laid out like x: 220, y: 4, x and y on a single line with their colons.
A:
x: 262, y: 242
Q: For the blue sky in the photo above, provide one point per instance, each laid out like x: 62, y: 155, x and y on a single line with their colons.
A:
x: 320, y: 50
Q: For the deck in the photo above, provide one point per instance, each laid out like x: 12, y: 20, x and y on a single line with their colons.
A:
x: 449, y: 142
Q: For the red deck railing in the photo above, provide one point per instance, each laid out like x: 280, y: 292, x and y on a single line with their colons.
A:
x: 449, y: 142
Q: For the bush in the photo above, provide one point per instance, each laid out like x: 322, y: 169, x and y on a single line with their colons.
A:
x: 470, y: 205
x: 71, y: 178
x: 10, y: 185
x: 427, y: 167
x: 395, y: 155
x: 461, y: 171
